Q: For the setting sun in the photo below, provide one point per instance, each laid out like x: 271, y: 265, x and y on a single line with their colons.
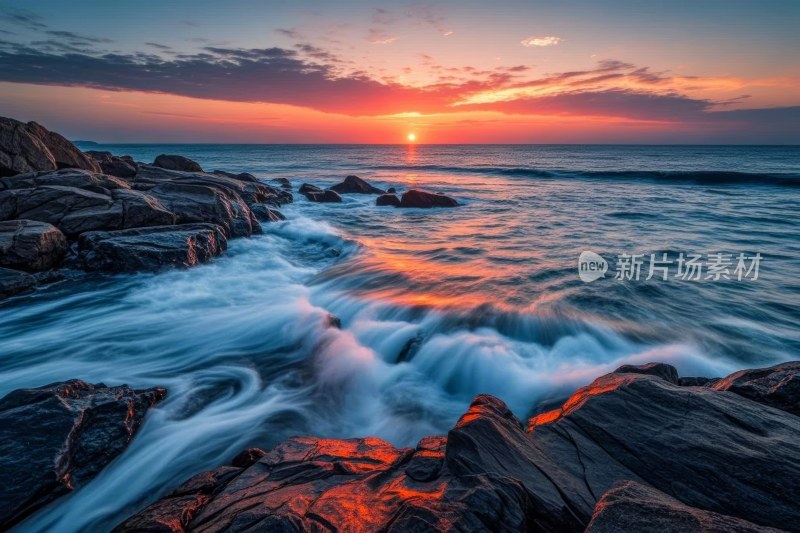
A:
x: 412, y: 137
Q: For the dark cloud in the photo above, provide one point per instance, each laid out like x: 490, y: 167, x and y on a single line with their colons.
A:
x: 77, y: 37
x: 290, y: 33
x: 21, y: 17
x: 159, y: 46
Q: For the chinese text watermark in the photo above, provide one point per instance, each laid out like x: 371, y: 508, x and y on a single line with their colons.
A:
x: 665, y: 266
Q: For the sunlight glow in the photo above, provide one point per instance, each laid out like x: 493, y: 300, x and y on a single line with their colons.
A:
x: 412, y: 137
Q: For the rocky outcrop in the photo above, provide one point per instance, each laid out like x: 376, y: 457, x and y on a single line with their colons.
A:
x: 387, y: 199
x: 130, y: 250
x: 631, y: 506
x: 54, y: 439
x: 31, y: 147
x: 177, y: 162
x: 315, y: 194
x: 777, y: 386
x: 13, y: 282
x: 355, y: 185
x: 633, y: 445
x: 283, y: 183
x: 417, y: 198
x: 123, y: 167
x: 80, y: 179
x: 31, y: 245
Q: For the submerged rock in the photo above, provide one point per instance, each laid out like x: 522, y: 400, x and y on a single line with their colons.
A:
x: 31, y: 245
x: 56, y: 438
x: 31, y: 147
x: 182, y: 246
x: 355, y: 185
x: 417, y: 198
x: 13, y: 282
x: 696, y: 458
x: 177, y: 162
x: 387, y: 199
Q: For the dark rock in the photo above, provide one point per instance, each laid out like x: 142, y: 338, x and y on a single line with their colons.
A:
x: 283, y: 183
x: 630, y: 506
x: 696, y: 381
x: 662, y: 370
x: 80, y: 179
x: 391, y: 190
x: 333, y: 321
x: 13, y: 282
x: 30, y: 245
x: 326, y: 196
x: 355, y: 185
x: 248, y: 457
x: 777, y: 386
x: 123, y: 167
x: 151, y: 248
x: 265, y: 214
x: 56, y: 438
x: 387, y: 199
x: 242, y: 176
x: 177, y: 162
x: 417, y: 198
x: 699, y: 456
x: 31, y: 147
x: 307, y: 187
x: 75, y: 211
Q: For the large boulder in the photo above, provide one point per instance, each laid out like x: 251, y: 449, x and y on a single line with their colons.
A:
x: 81, y: 179
x: 54, y: 439
x: 355, y: 185
x: 387, y: 199
x: 417, y: 198
x: 631, y: 506
x: 697, y: 457
x: 31, y: 147
x: 778, y: 386
x: 315, y: 194
x: 31, y: 245
x: 13, y: 282
x: 130, y: 250
x: 74, y: 210
x: 177, y: 162
x: 123, y: 167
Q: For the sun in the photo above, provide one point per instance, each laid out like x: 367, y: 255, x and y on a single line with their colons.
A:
x: 412, y: 137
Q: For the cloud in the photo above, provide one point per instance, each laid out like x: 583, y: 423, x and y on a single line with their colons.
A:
x: 290, y: 33
x: 78, y: 37
x: 549, y: 40
x: 159, y: 46
x: 379, y: 36
x: 23, y: 17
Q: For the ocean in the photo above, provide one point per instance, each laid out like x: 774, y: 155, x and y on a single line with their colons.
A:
x: 435, y: 306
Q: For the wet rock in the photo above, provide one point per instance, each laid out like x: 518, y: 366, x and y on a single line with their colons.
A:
x: 315, y: 194
x: 777, y: 386
x: 387, y: 199
x: 355, y: 185
x: 266, y: 214
x: 31, y: 245
x: 150, y: 249
x: 242, y: 176
x: 123, y: 167
x: 177, y: 162
x: 74, y: 211
x: 695, y: 381
x: 248, y: 457
x: 662, y: 370
x: 694, y: 454
x: 80, y: 179
x: 307, y: 187
x: 56, y: 438
x: 631, y: 506
x: 391, y: 190
x: 283, y: 183
x: 333, y: 321
x: 417, y: 198
x: 31, y: 147
x: 13, y: 282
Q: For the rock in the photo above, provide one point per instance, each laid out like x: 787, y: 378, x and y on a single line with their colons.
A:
x: 154, y: 248
x: 417, y: 198
x: 307, y: 187
x: 333, y: 321
x: 31, y: 245
x: 387, y: 199
x: 177, y: 162
x: 777, y: 386
x: 265, y: 214
x: 687, y: 457
x: 662, y: 370
x: 31, y: 147
x: 13, y: 282
x: 56, y: 438
x: 242, y: 176
x: 696, y: 381
x: 74, y: 210
x: 631, y: 506
x: 248, y: 457
x: 80, y: 179
x: 391, y: 190
x: 355, y: 185
x: 123, y: 167
x: 283, y: 183
x: 326, y: 196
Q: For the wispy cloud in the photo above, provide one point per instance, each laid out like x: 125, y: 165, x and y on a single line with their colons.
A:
x: 379, y: 36
x: 548, y: 40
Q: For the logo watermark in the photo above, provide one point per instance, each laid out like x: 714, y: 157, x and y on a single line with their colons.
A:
x: 665, y: 266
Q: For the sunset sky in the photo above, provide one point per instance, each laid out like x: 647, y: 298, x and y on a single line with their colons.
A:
x: 572, y: 71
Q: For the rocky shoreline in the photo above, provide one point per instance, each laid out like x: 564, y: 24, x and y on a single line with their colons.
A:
x: 94, y: 211
x: 639, y: 449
